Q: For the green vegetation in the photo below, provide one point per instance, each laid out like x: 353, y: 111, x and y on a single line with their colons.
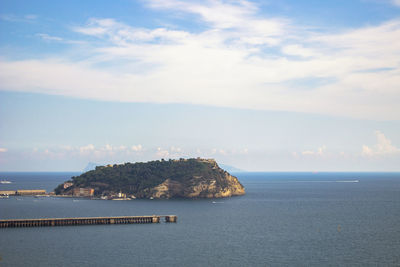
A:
x: 137, y: 178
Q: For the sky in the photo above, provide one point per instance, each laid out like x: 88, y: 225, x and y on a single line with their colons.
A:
x: 260, y: 85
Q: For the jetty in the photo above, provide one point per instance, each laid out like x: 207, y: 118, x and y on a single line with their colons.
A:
x: 86, y: 221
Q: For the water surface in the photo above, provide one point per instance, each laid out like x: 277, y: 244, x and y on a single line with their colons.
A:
x: 295, y: 219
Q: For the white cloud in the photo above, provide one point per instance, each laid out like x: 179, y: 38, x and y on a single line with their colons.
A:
x: 2, y: 149
x: 122, y: 35
x: 383, y: 147
x: 172, y: 152
x: 18, y: 18
x: 120, y: 148
x: 396, y: 2
x: 222, y: 152
x: 162, y: 153
x: 319, y: 152
x: 95, y: 27
x: 47, y: 37
x: 66, y: 148
x: 86, y: 149
x: 238, y: 15
x: 107, y: 147
x: 228, y: 64
x: 137, y: 148
x: 298, y: 50
x: 176, y: 149
x: 106, y: 150
x: 89, y: 151
x: 366, y: 151
x: 226, y: 152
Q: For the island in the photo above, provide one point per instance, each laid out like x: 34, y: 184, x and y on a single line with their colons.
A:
x: 162, y: 179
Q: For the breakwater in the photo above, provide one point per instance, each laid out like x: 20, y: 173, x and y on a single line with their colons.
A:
x: 85, y: 221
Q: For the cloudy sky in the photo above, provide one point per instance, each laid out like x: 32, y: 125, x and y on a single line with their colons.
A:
x: 262, y: 85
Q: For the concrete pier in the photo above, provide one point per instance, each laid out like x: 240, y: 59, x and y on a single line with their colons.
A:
x: 85, y: 221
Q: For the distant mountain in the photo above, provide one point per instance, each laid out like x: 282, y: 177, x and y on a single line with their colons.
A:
x: 183, y: 178
x: 229, y: 168
x: 90, y: 166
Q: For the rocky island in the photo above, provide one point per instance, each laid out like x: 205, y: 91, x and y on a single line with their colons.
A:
x: 183, y: 178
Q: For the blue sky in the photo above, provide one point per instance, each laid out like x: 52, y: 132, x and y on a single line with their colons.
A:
x: 261, y: 85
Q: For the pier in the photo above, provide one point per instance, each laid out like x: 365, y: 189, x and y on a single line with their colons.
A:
x: 19, y: 192
x: 86, y: 221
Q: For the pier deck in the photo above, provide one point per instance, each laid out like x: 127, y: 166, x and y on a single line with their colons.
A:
x: 85, y: 221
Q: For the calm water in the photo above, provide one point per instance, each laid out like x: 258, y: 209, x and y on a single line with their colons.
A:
x: 285, y: 219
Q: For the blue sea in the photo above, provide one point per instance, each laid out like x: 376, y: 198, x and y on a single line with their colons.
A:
x: 285, y: 219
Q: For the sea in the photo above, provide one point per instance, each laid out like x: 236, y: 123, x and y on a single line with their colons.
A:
x: 285, y: 219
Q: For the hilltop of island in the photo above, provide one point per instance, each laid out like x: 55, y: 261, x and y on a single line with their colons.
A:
x: 183, y: 178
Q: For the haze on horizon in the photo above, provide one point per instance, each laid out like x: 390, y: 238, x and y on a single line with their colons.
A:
x: 259, y: 85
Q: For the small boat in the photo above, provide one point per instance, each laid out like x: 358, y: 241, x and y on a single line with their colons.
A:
x: 4, y: 196
x: 121, y: 198
x: 5, y: 182
x: 40, y: 196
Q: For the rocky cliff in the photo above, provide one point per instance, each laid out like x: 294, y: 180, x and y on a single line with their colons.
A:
x: 184, y: 178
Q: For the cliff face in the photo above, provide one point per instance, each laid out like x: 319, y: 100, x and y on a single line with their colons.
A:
x: 184, y: 178
x: 197, y: 187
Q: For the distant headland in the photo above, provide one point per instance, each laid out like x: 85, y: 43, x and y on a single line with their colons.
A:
x: 182, y: 178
